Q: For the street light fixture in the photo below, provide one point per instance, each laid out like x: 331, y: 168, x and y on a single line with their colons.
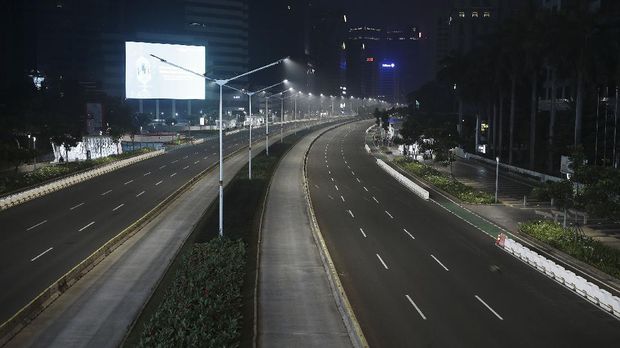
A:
x: 221, y: 83
x: 250, y: 94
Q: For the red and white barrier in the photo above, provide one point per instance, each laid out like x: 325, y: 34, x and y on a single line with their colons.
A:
x: 578, y: 284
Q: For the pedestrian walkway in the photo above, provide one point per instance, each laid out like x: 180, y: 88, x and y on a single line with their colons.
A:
x: 296, y: 305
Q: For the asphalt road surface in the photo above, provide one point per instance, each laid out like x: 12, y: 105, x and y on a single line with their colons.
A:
x: 417, y: 275
x: 42, y: 239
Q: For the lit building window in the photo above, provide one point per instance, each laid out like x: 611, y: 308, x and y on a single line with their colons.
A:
x: 474, y: 14
x: 487, y: 14
x: 462, y: 14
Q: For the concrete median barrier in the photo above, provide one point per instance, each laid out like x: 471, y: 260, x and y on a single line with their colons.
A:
x: 415, y: 188
x: 27, y: 195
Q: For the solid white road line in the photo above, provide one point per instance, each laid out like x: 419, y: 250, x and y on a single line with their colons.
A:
x: 41, y: 254
x: 37, y: 225
x: 105, y: 193
x: 365, y: 189
x: 439, y: 262
x: 388, y: 214
x: 342, y: 198
x: 351, y: 213
x: 185, y: 167
x: 489, y: 307
x: 173, y: 174
x: 147, y: 173
x: 140, y: 194
x: 407, y: 232
x: 128, y: 182
x: 162, y: 167
x: 85, y: 227
x: 415, y: 306
x: 363, y: 234
x: 76, y: 206
x: 159, y: 182
x: 383, y: 263
x: 117, y: 208
x: 374, y: 199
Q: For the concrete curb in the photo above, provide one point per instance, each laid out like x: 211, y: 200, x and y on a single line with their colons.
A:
x: 342, y: 301
x: 413, y: 187
x: 13, y: 325
x: 259, y: 241
x: 27, y: 195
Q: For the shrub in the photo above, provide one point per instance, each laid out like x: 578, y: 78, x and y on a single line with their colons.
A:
x: 577, y: 245
x: 202, y: 307
x: 456, y: 188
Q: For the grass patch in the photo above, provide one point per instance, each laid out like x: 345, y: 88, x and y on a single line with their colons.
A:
x: 41, y: 175
x: 581, y: 247
x: 180, y: 312
x: 444, y: 182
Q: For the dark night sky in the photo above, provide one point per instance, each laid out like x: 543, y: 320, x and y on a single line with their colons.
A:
x: 392, y: 12
x: 266, y: 25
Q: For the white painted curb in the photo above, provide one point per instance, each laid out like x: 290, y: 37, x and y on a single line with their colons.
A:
x: 24, y: 196
x: 404, y: 180
x: 589, y: 291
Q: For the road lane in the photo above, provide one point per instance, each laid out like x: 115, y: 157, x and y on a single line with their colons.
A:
x: 444, y: 266
x: 79, y: 219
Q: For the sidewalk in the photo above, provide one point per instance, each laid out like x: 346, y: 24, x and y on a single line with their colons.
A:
x: 296, y: 305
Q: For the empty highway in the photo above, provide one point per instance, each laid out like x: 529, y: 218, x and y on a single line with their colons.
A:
x: 42, y: 239
x: 417, y: 275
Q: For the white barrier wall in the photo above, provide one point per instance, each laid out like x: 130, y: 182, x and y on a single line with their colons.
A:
x: 24, y: 196
x: 578, y: 284
x: 415, y: 188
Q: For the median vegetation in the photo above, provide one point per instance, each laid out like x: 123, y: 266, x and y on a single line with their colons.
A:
x: 16, y: 181
x: 575, y: 244
x: 202, y: 305
x: 466, y: 194
x: 206, y: 298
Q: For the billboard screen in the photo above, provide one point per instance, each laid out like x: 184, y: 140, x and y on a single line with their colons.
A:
x: 148, y: 78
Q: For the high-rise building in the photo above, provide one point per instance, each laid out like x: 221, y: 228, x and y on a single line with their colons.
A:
x: 384, y: 63
x: 83, y: 40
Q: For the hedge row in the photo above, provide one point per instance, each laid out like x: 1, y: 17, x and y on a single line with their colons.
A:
x: 15, y: 182
x: 202, y: 307
x: 456, y: 188
x: 577, y: 245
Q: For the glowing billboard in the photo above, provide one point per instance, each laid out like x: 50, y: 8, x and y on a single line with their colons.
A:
x: 148, y: 78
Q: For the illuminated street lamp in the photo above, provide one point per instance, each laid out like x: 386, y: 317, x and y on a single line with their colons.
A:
x: 250, y: 94
x: 221, y: 83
